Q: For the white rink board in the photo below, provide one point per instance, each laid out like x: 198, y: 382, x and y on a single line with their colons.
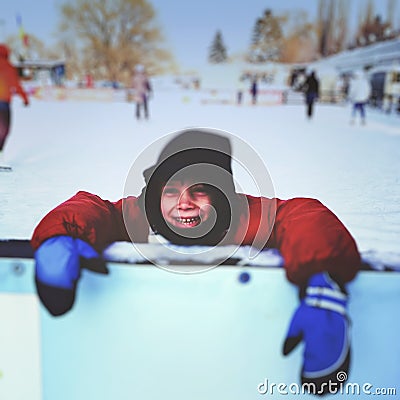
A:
x: 20, y: 366
x: 143, y: 333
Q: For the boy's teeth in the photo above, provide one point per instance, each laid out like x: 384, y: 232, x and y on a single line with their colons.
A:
x: 187, y: 220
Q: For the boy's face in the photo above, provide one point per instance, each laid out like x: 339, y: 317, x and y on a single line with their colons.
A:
x: 185, y: 204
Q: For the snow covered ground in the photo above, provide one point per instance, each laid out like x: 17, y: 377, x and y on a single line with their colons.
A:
x: 59, y: 147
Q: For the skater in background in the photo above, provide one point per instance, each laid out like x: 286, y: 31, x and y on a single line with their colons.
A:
x: 142, y: 91
x: 190, y: 198
x: 241, y: 88
x: 311, y: 91
x: 254, y: 90
x: 359, y: 94
x: 9, y: 85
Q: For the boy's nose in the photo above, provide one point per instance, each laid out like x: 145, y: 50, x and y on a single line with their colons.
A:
x: 185, y: 200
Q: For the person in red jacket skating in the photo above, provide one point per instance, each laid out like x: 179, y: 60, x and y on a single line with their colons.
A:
x: 190, y: 198
x: 9, y: 85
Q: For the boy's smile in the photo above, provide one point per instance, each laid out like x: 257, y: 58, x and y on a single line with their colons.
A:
x: 185, y: 204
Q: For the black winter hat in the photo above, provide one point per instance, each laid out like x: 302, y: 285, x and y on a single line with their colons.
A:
x: 203, y: 157
x: 189, y: 148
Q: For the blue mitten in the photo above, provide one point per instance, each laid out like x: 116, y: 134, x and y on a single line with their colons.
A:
x: 58, y: 265
x: 321, y: 322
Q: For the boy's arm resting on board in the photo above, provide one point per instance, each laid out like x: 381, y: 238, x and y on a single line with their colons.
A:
x: 71, y: 237
x: 312, y: 239
x: 87, y: 217
x: 309, y: 236
x: 320, y: 257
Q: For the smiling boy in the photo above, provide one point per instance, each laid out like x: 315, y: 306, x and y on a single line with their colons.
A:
x: 190, y: 199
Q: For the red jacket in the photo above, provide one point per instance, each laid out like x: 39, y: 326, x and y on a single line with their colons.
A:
x: 308, y: 235
x: 9, y: 80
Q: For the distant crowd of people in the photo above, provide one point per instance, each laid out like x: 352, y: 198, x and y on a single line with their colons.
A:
x: 356, y: 90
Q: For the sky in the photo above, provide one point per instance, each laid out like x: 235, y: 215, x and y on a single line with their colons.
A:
x: 188, y: 26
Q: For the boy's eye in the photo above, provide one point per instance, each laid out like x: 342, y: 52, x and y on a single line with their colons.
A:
x: 199, y: 190
x: 170, y: 191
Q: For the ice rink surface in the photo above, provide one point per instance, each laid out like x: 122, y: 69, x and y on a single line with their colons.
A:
x: 60, y: 147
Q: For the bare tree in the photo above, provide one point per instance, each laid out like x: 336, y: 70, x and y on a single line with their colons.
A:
x: 371, y: 27
x: 113, y: 36
x: 323, y: 27
x: 36, y: 49
x: 391, y: 12
x: 326, y: 24
x: 332, y: 26
x: 341, y: 26
x: 300, y: 44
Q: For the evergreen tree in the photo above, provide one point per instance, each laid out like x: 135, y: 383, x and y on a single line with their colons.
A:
x: 266, y: 39
x: 257, y: 32
x: 218, y: 53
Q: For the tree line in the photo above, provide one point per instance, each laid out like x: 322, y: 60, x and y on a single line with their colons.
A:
x: 107, y: 38
x: 293, y: 38
x: 104, y: 38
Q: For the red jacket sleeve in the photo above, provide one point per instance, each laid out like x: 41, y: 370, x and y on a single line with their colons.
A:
x: 16, y: 86
x: 92, y: 219
x: 312, y: 239
x: 9, y: 83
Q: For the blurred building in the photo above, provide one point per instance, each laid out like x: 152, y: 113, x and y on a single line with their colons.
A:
x: 43, y: 72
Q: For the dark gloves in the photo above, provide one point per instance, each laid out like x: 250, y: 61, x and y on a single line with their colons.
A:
x: 58, y: 266
x: 321, y: 322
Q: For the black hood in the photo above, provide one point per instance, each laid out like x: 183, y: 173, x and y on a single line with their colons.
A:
x: 204, y: 157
